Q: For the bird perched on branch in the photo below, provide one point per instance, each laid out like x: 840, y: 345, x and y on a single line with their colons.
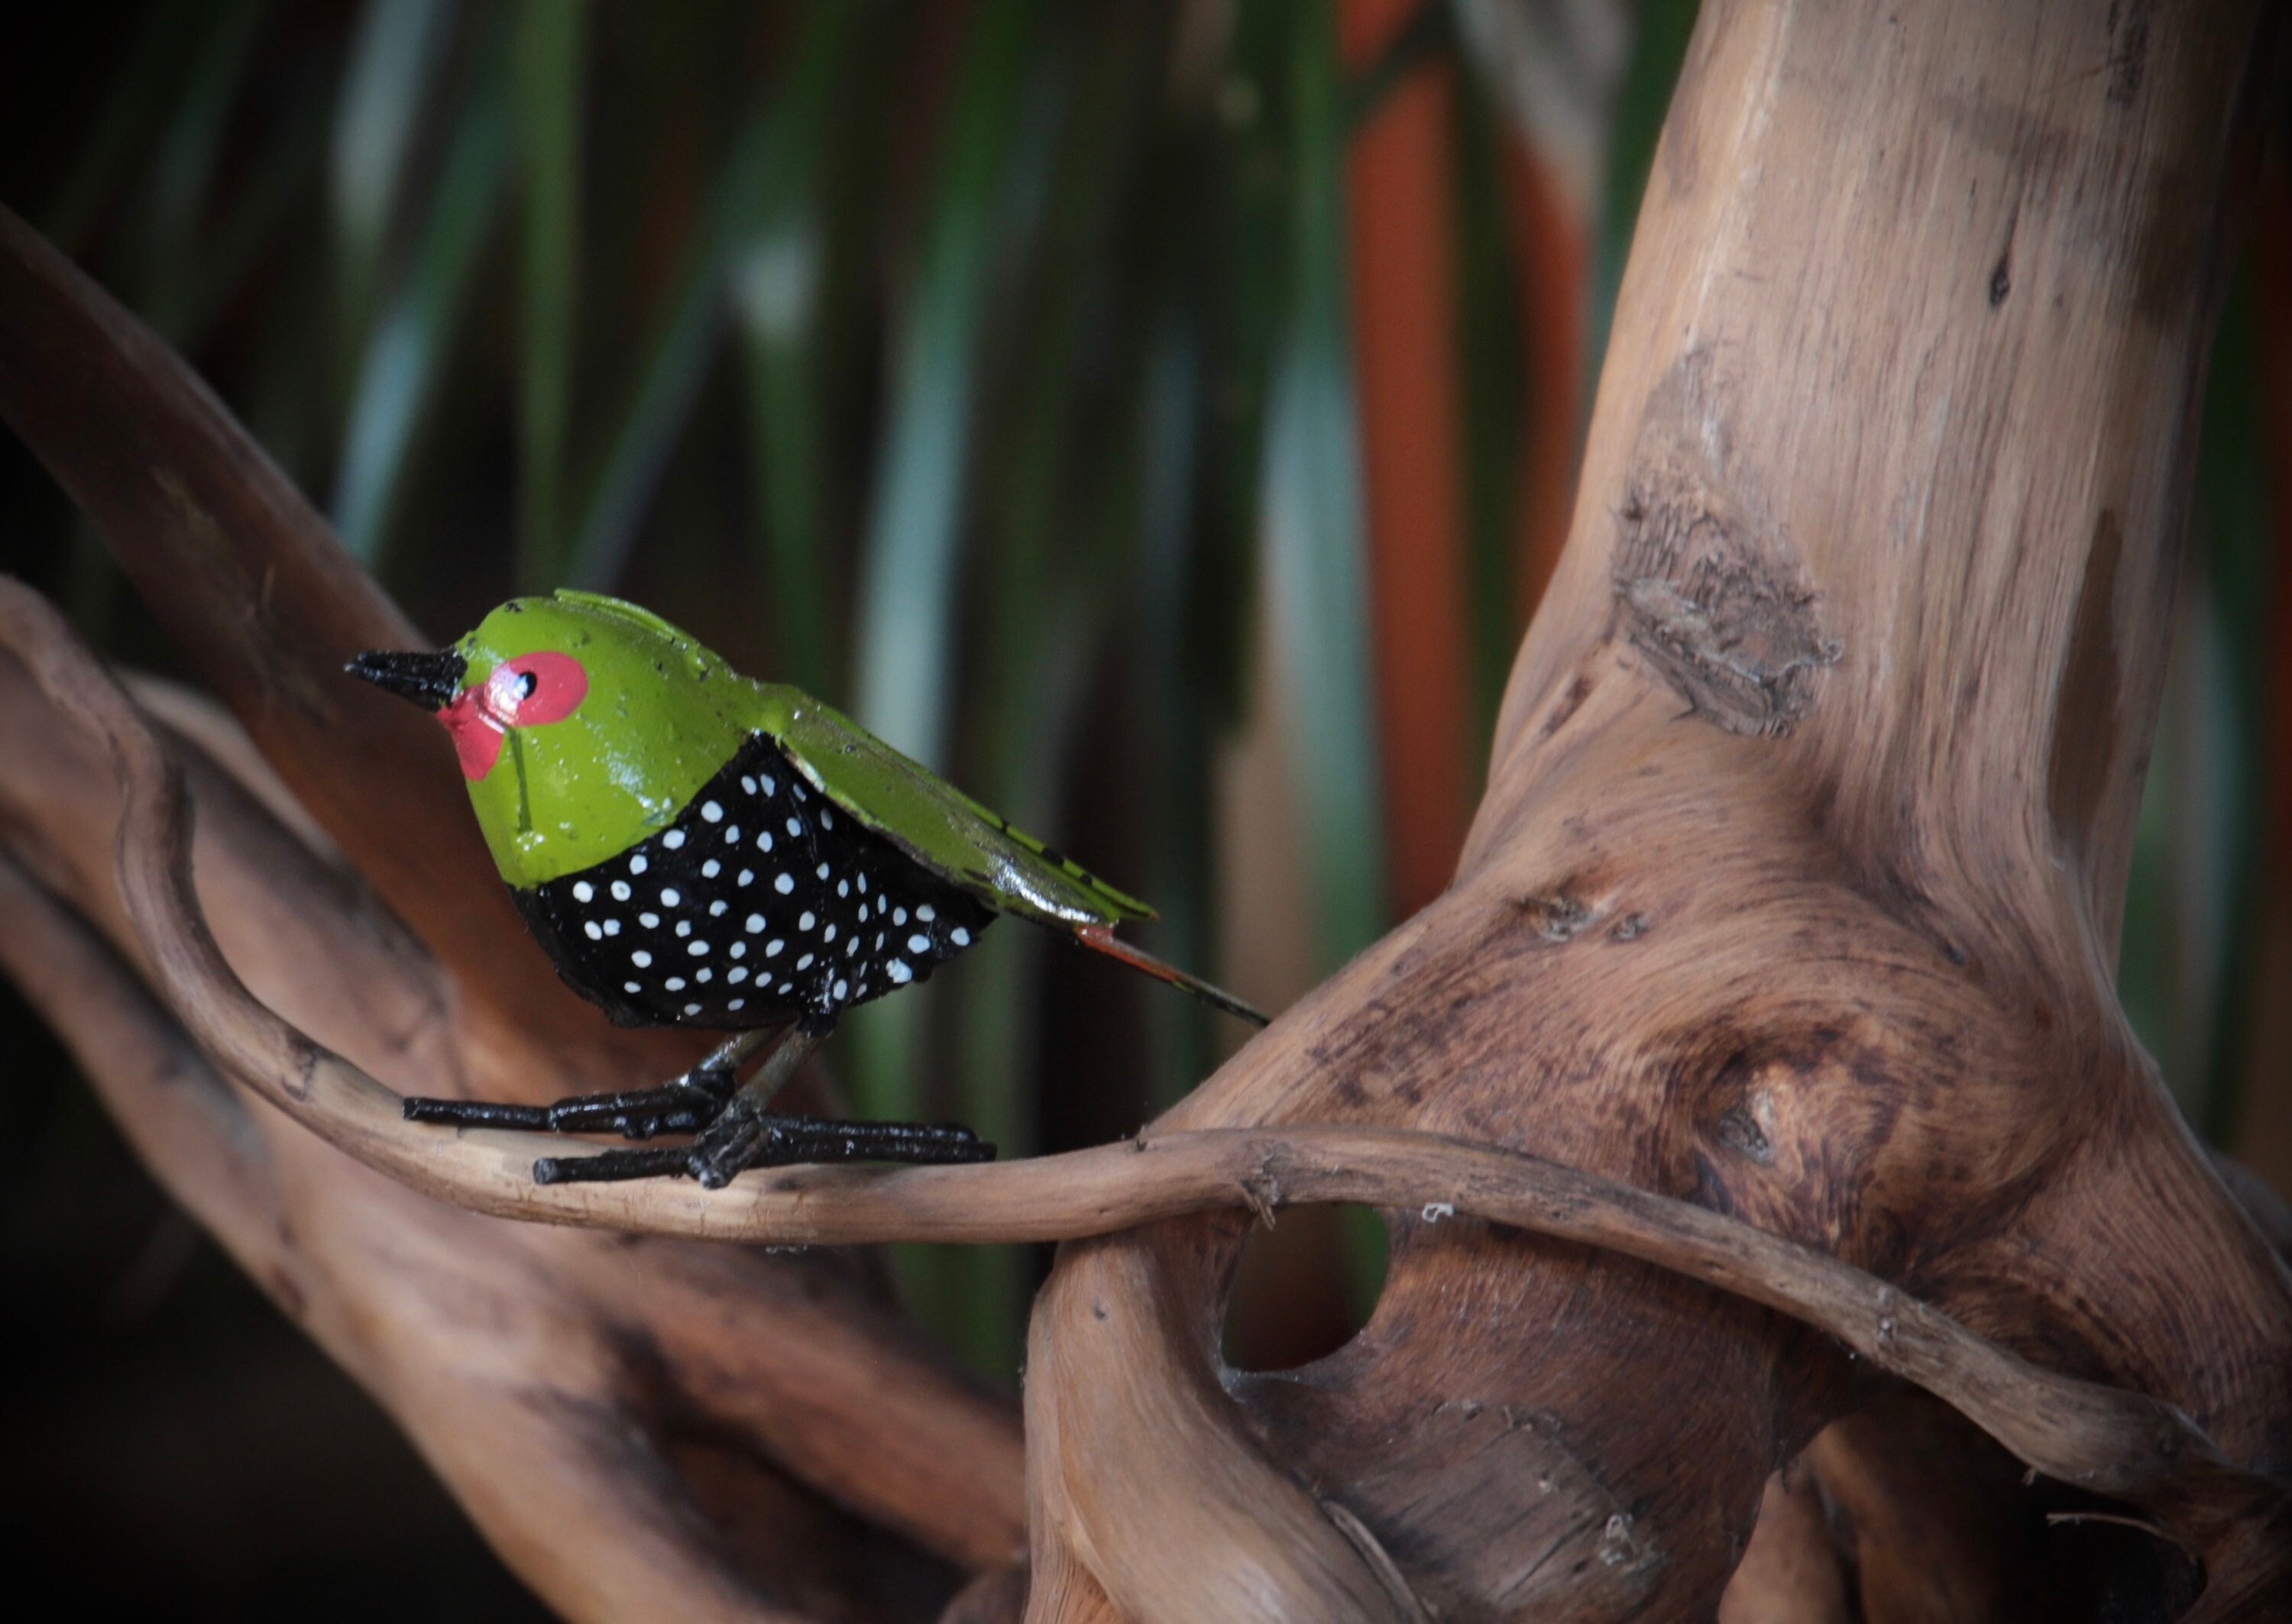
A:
x: 695, y: 848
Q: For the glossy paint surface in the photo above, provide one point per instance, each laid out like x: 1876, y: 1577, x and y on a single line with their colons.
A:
x: 935, y: 822
x: 586, y: 725
x: 559, y: 790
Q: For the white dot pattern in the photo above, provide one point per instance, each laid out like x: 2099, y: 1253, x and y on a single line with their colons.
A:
x: 839, y: 878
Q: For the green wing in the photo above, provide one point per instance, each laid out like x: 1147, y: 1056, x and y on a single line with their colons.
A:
x: 933, y: 822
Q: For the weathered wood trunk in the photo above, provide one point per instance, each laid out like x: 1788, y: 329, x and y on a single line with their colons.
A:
x: 1796, y: 888
x: 1794, y: 896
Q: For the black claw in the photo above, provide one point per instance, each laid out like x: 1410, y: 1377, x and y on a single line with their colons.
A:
x: 687, y: 1105
x: 651, y: 1109
x: 728, y: 1142
x: 734, y: 1142
x: 716, y: 1082
x: 739, y: 1142
x: 475, y: 1114
x: 608, y: 1166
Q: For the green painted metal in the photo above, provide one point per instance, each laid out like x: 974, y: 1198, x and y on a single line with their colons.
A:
x: 663, y: 714
x: 933, y: 822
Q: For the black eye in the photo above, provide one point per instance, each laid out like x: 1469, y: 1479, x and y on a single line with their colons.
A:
x: 525, y: 683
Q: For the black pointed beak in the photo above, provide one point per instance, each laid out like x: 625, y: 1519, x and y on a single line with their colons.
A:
x: 430, y: 680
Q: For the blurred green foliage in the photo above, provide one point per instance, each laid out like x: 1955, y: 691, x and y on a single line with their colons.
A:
x: 975, y: 364
x: 2186, y: 972
x: 950, y: 360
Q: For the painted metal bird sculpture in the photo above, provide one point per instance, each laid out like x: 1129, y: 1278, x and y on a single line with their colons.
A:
x: 695, y: 848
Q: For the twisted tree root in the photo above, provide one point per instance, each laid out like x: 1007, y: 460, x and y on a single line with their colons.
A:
x: 2112, y: 1441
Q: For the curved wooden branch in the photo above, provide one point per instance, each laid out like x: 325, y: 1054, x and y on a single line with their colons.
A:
x: 1793, y: 896
x: 2115, y: 1443
x: 212, y: 1154
x: 266, y: 604
x: 1796, y: 889
x: 785, y: 1383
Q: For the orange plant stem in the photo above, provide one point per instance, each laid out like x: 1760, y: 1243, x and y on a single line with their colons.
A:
x: 1400, y: 185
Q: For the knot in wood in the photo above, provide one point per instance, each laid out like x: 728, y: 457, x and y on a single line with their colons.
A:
x: 1556, y: 918
x: 302, y: 1066
x: 1262, y: 1191
x: 1618, y: 1547
x: 1739, y: 1131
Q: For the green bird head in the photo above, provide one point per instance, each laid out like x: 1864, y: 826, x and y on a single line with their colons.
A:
x: 583, y: 724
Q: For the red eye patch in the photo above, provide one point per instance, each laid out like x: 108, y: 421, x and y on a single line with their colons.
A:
x: 530, y: 691
x: 535, y: 689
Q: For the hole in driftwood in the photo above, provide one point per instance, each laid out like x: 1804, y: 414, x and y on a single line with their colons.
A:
x: 1305, y: 1287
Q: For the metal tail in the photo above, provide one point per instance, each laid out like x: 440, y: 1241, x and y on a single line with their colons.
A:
x: 1100, y: 938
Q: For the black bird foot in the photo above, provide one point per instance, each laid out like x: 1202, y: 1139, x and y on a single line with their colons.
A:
x: 736, y: 1131
x: 667, y: 1163
x: 741, y: 1138
x: 686, y: 1105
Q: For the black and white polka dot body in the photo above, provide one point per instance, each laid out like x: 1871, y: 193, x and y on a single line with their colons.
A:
x: 762, y: 902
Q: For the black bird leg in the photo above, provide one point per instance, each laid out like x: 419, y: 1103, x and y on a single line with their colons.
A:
x: 746, y: 1133
x: 686, y: 1105
x: 736, y: 1129
x: 666, y: 1162
x: 768, y: 1140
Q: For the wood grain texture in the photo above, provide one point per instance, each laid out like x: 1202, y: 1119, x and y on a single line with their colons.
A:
x: 896, y: 1424
x: 1796, y: 888
x: 730, y: 1381
x: 1772, y: 993
x: 266, y: 604
x: 1794, y: 1572
x: 636, y: 1424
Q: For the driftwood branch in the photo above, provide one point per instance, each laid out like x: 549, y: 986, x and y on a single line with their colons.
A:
x: 2115, y: 1443
x: 1772, y: 992
x: 196, y: 1133
x: 1796, y: 886
x: 266, y: 604
x: 783, y: 1391
x: 782, y: 1445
